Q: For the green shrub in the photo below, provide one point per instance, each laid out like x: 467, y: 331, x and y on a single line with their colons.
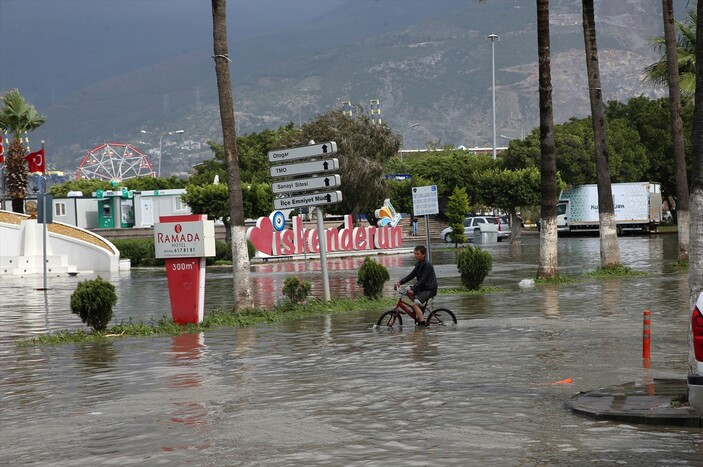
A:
x: 474, y: 265
x: 140, y: 251
x: 372, y: 276
x: 93, y: 301
x: 295, y: 290
x: 456, y: 210
x: 223, y: 254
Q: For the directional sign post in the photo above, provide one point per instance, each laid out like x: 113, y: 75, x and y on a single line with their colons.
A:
x: 313, y: 199
x: 425, y: 203
x: 307, y: 184
x: 303, y: 152
x: 321, y: 166
x: 304, y: 168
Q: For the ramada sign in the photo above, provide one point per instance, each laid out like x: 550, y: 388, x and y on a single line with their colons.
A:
x: 299, y: 240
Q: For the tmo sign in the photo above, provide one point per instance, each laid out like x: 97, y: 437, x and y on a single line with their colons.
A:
x: 184, y: 242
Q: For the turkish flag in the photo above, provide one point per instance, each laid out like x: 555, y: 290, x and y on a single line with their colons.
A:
x: 36, y: 161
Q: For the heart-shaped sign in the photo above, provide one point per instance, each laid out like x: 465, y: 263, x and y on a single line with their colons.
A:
x: 261, y: 236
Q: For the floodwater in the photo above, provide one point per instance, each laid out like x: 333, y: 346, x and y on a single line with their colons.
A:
x: 335, y: 390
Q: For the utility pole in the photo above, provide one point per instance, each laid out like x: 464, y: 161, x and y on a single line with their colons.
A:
x: 493, y: 38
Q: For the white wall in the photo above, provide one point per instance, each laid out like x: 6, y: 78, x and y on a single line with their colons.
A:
x: 165, y: 204
x: 84, y: 255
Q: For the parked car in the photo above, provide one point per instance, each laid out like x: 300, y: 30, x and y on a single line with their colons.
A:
x: 503, y: 228
x: 695, y: 357
x: 472, y: 223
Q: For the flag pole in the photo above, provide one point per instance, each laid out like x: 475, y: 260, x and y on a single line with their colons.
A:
x: 45, y: 216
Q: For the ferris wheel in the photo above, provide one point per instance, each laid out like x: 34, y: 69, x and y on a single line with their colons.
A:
x: 115, y: 161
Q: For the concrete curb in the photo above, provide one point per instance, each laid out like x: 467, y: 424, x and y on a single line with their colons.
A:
x: 648, y: 404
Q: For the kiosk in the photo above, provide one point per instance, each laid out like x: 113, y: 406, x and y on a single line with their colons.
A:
x: 115, y: 208
x: 184, y: 242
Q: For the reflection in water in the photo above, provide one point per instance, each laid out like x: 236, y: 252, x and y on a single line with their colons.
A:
x: 516, y: 250
x: 96, y: 357
x: 188, y: 407
x: 611, y: 296
x: 550, y: 295
x: 334, y: 390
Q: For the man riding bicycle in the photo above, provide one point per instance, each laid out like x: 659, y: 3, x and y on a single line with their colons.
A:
x: 426, y: 285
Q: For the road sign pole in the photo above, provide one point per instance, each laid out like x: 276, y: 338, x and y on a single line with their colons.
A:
x: 322, y: 241
x: 43, y: 202
x: 427, y: 238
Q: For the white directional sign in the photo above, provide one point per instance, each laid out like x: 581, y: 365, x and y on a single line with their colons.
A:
x: 303, y: 152
x: 306, y: 184
x: 304, y: 168
x: 314, y: 199
x: 425, y: 200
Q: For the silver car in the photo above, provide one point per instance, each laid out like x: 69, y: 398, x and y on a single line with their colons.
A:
x: 472, y: 223
x: 695, y: 357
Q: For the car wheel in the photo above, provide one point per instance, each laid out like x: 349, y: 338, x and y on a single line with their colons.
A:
x: 448, y: 238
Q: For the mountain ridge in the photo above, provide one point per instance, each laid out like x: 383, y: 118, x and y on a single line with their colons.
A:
x: 435, y: 72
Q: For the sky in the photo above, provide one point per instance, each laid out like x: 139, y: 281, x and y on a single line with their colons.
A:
x: 70, y: 43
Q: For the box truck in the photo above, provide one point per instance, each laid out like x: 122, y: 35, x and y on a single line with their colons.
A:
x: 638, y: 206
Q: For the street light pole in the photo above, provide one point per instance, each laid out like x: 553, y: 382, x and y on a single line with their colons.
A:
x: 493, y: 38
x: 161, y: 138
x: 401, y: 134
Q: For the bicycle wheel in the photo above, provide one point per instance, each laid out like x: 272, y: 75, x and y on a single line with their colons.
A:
x: 441, y: 317
x: 390, y: 319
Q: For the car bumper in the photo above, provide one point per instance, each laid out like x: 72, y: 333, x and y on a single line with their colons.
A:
x: 695, y: 392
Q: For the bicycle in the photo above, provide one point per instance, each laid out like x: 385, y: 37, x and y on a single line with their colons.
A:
x: 438, y: 317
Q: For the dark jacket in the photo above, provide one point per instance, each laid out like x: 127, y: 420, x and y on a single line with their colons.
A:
x: 426, y: 279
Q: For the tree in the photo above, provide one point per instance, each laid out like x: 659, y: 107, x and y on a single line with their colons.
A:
x: 682, y: 208
x: 609, y: 248
x: 651, y: 119
x: 453, y: 168
x: 630, y: 159
x: 240, y: 258
x: 84, y: 185
x: 252, y: 151
x: 510, y: 190
x: 548, y: 263
x: 210, y: 199
x: 213, y: 200
x: 363, y: 148
x: 400, y: 192
x: 457, y: 209
x: 657, y: 73
x: 17, y: 117
x: 695, y: 269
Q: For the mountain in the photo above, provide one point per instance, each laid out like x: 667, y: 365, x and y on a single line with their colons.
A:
x: 427, y: 62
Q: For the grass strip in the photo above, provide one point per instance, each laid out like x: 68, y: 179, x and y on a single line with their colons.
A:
x: 557, y: 280
x: 667, y: 228
x: 214, y: 319
x: 481, y: 291
x: 615, y: 271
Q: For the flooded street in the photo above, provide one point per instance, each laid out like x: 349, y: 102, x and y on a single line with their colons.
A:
x: 335, y: 390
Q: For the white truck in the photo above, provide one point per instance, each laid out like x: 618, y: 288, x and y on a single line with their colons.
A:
x: 638, y: 206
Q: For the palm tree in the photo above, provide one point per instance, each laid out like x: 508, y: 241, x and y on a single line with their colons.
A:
x: 240, y: 254
x: 609, y: 248
x: 682, y: 209
x: 695, y: 269
x: 656, y: 73
x: 548, y: 264
x: 17, y: 118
